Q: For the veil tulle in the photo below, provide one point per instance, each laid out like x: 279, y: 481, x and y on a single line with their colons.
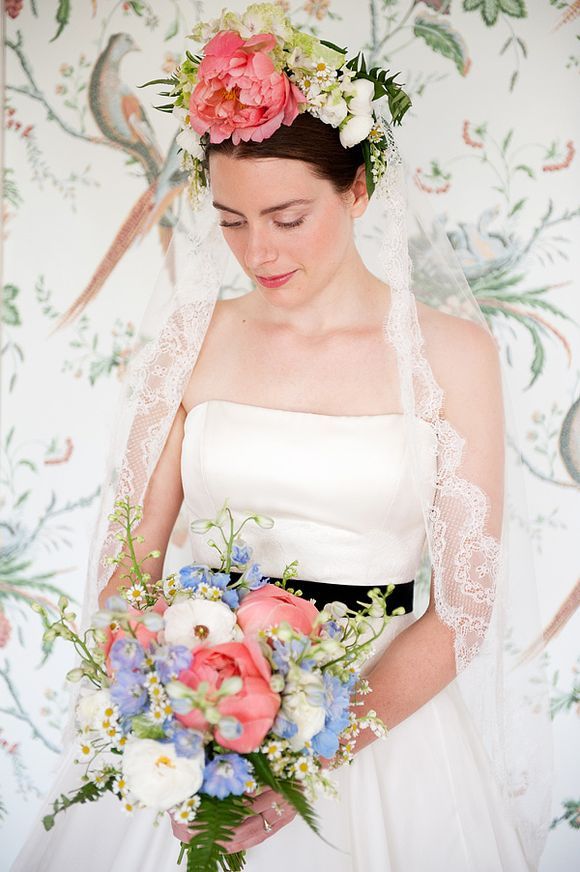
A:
x: 477, y: 553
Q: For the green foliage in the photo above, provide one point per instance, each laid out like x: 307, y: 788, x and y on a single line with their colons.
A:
x: 62, y: 17
x: 8, y: 312
x: 443, y: 39
x: 490, y: 9
x: 216, y: 821
x: 290, y: 790
x: 571, y: 814
x: 87, y: 793
x: 399, y: 102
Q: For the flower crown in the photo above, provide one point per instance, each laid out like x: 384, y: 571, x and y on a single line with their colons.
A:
x: 257, y: 72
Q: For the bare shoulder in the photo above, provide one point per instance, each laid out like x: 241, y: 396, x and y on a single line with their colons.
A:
x: 454, y: 343
x: 465, y: 361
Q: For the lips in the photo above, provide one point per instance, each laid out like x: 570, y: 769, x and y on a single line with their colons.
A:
x: 275, y: 278
x: 275, y: 281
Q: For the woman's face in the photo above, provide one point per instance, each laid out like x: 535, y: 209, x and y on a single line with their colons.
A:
x: 278, y: 218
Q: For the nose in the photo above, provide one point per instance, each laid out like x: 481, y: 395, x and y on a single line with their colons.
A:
x: 260, y: 248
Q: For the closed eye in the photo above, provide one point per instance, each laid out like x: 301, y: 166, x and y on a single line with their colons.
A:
x: 287, y: 224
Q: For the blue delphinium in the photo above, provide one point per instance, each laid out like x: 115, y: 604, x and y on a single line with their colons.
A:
x: 126, y: 653
x: 254, y: 577
x: 336, y: 707
x: 229, y: 595
x: 241, y: 553
x: 191, y: 576
x: 188, y: 743
x: 170, y: 660
x: 225, y: 775
x: 284, y: 727
x: 294, y: 650
x: 128, y: 691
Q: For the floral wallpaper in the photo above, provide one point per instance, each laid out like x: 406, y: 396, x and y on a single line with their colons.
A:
x: 90, y: 181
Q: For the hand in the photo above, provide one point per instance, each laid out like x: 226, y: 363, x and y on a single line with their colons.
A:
x: 251, y: 832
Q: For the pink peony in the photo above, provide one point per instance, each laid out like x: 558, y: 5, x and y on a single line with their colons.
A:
x: 239, y: 93
x: 256, y: 704
x: 270, y: 605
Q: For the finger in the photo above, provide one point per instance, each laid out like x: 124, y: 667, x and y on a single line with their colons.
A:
x: 252, y: 831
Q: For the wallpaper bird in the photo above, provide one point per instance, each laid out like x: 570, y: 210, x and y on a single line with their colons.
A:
x: 123, y: 121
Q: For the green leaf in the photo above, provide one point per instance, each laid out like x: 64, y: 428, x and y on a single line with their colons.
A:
x: 516, y: 8
x: 489, y: 9
x: 216, y: 821
x: 333, y: 46
x: 524, y: 168
x: 172, y: 30
x: 506, y: 141
x: 290, y: 790
x: 443, y: 39
x: 9, y: 314
x: 517, y: 207
x: 145, y: 729
x: 87, y: 793
x: 366, y: 150
x: 62, y: 17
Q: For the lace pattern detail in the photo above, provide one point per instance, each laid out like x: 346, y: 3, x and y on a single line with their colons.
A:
x: 464, y: 558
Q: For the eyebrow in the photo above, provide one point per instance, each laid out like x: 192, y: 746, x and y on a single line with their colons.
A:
x: 267, y: 211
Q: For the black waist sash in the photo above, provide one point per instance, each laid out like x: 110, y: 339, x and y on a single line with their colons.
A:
x: 350, y: 594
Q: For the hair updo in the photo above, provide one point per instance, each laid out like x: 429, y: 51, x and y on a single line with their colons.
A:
x: 308, y: 139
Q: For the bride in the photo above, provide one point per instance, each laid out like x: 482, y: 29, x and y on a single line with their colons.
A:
x: 370, y: 426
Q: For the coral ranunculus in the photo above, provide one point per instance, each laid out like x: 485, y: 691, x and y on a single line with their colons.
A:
x: 270, y: 605
x: 255, y: 706
x: 239, y: 92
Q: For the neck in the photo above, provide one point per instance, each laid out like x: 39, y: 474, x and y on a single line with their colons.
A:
x: 354, y: 297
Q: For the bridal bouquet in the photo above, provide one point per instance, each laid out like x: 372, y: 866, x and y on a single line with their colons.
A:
x: 200, y: 690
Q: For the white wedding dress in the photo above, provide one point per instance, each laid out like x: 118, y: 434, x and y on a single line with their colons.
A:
x: 340, y: 491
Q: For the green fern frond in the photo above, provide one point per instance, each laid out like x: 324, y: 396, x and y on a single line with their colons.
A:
x: 290, y: 790
x: 216, y: 821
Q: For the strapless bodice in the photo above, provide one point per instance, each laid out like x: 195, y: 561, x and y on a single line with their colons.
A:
x: 339, y: 488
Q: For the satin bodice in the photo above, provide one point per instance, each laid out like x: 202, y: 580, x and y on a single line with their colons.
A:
x: 339, y: 488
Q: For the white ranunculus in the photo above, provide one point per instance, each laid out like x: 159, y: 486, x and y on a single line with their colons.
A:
x: 333, y: 111
x: 356, y: 129
x: 190, y: 142
x: 298, y: 708
x: 193, y: 622
x: 361, y: 93
x: 91, y: 709
x: 157, y: 776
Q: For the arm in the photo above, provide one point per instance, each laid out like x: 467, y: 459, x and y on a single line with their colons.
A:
x: 422, y: 659
x: 161, y: 506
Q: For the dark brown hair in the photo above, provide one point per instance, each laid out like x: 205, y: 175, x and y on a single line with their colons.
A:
x: 308, y: 139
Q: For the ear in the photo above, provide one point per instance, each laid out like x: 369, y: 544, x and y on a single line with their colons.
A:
x: 359, y: 193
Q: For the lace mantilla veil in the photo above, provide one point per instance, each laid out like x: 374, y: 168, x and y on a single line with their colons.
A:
x: 477, y: 551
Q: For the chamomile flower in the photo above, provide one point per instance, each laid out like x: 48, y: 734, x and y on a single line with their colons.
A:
x: 86, y: 750
x: 120, y: 786
x: 303, y: 767
x: 325, y: 75
x: 136, y: 594
x: 273, y: 749
x: 187, y: 811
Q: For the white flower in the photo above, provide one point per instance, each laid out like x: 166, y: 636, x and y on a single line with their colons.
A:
x: 94, y: 708
x: 333, y: 111
x: 181, y: 113
x: 356, y: 129
x: 361, y: 93
x: 190, y: 142
x: 192, y: 622
x: 298, y: 707
x: 157, y: 776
